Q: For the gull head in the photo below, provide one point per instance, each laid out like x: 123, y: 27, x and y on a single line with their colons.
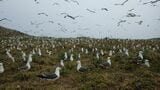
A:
x: 58, y: 68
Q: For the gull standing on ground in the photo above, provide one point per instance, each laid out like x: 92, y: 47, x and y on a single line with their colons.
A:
x: 1, y: 68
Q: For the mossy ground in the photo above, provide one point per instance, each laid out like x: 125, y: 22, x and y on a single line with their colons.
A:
x: 123, y: 74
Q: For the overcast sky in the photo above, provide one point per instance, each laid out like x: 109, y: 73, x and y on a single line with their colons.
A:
x: 23, y: 15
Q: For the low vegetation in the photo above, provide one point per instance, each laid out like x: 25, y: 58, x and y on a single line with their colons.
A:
x: 124, y: 73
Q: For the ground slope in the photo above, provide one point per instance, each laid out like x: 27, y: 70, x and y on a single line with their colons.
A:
x: 6, y: 32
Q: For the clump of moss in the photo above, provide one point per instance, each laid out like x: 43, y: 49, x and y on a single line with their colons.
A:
x: 96, y: 82
x: 144, y: 84
x: 23, y: 76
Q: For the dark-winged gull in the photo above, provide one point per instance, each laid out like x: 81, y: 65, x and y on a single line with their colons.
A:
x: 138, y: 59
x: 132, y: 15
x: 106, y: 64
x: 52, y: 76
x: 131, y: 10
x: 71, y: 17
x: 36, y: 1
x: 66, y: 0
x: 25, y: 67
x: 75, y: 2
x: 55, y: 4
x: 1, y: 68
x: 80, y: 68
x: 43, y: 14
x: 152, y: 2
x: 105, y: 9
x: 90, y: 10
x: 121, y: 21
x: 36, y: 24
x: 51, y: 21
x: 122, y: 3
x: 4, y: 19
x: 139, y: 22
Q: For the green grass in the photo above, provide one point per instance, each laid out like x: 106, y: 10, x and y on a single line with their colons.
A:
x: 123, y: 74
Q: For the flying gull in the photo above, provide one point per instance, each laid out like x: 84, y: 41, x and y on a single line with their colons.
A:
x: 55, y: 4
x: 139, y: 23
x: 66, y: 0
x: 43, y: 14
x: 152, y: 2
x: 59, y: 24
x: 36, y: 24
x: 121, y: 21
x: 132, y: 15
x: 157, y: 19
x: 105, y: 9
x: 4, y: 19
x: 122, y: 3
x: 131, y: 10
x: 71, y: 17
x: 75, y: 2
x: 90, y: 10
x: 36, y: 1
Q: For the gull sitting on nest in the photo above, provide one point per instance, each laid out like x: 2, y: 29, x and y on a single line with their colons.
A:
x: 26, y: 67
x: 80, y: 68
x: 106, y: 64
x: 51, y: 76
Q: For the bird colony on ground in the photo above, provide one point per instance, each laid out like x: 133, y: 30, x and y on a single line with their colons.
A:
x: 42, y: 56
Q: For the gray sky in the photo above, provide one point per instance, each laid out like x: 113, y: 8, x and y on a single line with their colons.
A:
x: 23, y: 16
